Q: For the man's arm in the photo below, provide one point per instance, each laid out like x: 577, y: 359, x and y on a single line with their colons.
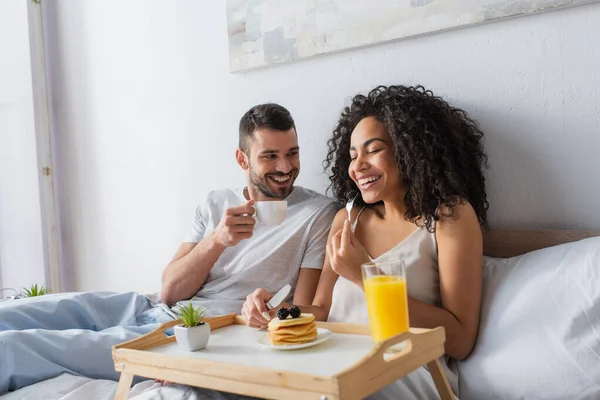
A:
x: 306, y: 287
x: 314, y: 256
x: 254, y: 307
x: 255, y: 310
x: 188, y: 270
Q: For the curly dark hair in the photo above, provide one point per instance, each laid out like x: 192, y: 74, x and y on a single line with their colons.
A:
x: 438, y: 149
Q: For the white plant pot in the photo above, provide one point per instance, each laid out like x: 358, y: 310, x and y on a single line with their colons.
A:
x: 192, y: 339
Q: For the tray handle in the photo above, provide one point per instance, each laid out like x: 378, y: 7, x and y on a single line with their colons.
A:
x: 382, y: 367
x: 154, y: 338
x: 159, y: 337
x: 389, y: 350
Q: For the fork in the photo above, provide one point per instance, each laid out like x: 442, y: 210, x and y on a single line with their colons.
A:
x: 349, y: 205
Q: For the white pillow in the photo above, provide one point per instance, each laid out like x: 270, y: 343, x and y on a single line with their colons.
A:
x: 539, y: 336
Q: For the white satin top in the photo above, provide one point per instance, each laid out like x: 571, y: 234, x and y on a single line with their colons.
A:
x: 419, y: 253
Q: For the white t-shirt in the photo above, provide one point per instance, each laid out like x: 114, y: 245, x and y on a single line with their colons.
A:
x: 273, y: 255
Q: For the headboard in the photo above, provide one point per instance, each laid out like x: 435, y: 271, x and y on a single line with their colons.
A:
x: 506, y: 243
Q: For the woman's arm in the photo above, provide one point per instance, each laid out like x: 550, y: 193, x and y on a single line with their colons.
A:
x: 460, y: 258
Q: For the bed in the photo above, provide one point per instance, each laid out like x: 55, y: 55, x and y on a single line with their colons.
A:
x: 539, y: 332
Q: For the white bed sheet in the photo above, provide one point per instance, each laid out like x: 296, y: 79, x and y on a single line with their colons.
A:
x: 70, y: 387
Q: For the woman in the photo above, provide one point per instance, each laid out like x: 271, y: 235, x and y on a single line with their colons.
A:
x: 415, y: 163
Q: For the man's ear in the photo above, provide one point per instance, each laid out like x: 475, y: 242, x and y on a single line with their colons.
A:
x: 242, y: 159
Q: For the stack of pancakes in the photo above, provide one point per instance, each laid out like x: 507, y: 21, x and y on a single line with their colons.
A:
x: 292, y: 330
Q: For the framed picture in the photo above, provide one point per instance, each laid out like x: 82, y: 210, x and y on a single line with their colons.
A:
x: 266, y: 32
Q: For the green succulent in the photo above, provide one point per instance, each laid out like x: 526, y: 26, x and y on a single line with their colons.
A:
x: 35, y: 291
x: 192, y: 316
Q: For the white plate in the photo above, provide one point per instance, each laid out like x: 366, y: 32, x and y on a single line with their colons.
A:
x: 322, y: 335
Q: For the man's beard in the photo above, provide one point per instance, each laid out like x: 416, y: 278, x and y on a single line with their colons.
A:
x: 261, y: 184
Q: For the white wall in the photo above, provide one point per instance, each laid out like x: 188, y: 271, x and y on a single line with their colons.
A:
x: 147, y: 116
x: 21, y: 251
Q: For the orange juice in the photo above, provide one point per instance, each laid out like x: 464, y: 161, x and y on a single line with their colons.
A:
x: 387, y: 304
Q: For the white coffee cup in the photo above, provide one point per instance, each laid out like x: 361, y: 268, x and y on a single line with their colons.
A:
x: 270, y: 212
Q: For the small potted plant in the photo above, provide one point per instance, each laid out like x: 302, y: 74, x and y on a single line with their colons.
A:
x: 193, y: 332
x: 35, y: 291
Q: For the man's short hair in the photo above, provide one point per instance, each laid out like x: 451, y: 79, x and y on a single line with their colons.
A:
x: 263, y: 116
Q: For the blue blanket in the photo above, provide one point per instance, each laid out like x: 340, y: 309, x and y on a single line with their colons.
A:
x: 42, y: 337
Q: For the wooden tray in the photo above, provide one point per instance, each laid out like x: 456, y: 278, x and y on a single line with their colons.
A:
x: 347, y: 366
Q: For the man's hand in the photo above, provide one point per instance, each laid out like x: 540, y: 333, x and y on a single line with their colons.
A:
x: 255, y: 309
x: 347, y: 254
x: 236, y: 225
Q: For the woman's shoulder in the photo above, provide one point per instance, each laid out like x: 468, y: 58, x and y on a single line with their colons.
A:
x: 462, y: 210
x: 460, y: 218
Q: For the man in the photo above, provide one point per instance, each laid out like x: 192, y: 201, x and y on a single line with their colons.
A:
x: 225, y: 258
x: 227, y: 255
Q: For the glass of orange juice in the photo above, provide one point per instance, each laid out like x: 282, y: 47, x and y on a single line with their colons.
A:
x: 387, y: 299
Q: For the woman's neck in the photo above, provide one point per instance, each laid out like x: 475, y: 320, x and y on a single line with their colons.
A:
x: 393, y: 208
